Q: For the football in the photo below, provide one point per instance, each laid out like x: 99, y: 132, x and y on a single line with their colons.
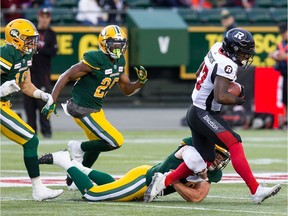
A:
x: 234, y: 88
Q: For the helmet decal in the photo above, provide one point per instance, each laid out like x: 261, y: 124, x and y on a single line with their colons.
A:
x: 14, y: 33
x: 239, y: 35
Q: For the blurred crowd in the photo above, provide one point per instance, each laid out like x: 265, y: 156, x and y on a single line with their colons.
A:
x: 94, y: 12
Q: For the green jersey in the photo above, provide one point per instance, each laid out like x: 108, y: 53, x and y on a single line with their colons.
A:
x: 13, y: 65
x: 172, y: 162
x: 90, y: 90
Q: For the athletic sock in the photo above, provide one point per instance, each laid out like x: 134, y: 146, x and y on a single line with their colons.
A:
x: 96, y: 145
x: 89, y: 158
x: 100, y: 178
x: 81, y: 180
x: 242, y: 167
x: 182, y: 171
x: 32, y: 166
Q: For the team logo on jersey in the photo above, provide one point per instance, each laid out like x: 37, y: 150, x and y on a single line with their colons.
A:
x: 228, y: 69
x: 121, y: 69
x: 17, y: 66
x: 108, y: 71
x: 14, y: 33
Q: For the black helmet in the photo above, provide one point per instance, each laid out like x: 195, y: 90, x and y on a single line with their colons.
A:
x: 239, y: 45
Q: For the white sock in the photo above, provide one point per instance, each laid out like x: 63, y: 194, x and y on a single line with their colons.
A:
x: 36, y: 181
x: 83, y: 169
x: 193, y: 159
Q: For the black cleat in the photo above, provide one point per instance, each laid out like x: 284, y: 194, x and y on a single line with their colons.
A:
x: 46, y: 159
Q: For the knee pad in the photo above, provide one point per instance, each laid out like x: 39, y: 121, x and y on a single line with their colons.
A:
x: 30, y: 147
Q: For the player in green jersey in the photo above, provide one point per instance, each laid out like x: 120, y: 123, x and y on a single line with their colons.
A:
x: 96, y: 74
x: 21, y: 39
x: 133, y: 185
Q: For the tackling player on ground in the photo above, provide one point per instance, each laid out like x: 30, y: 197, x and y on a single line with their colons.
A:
x: 219, y: 67
x: 21, y: 39
x: 96, y: 74
x: 132, y: 186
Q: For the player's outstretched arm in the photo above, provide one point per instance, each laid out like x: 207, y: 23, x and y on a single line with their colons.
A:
x: 130, y: 88
x: 192, y: 192
x: 73, y: 73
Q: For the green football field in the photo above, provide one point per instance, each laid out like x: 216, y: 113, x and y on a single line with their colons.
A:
x: 266, y: 151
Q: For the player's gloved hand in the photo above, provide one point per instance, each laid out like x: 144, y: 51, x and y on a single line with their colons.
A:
x: 47, y: 98
x: 141, y: 74
x: 8, y: 87
x: 48, y: 110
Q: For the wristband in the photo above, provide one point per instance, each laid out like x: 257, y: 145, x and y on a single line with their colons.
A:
x: 37, y: 93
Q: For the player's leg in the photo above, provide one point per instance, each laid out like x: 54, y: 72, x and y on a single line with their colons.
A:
x: 30, y: 108
x: 131, y: 187
x: 98, y: 177
x: 62, y: 159
x: 45, y: 125
x: 213, y: 126
x: 102, y: 135
x: 15, y: 129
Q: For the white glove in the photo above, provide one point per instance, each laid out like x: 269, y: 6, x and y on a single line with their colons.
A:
x: 8, y: 87
x: 48, y: 98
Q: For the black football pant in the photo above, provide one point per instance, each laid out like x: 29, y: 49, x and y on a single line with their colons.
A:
x: 209, y: 128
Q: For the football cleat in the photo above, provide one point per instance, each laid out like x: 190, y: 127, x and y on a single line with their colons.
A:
x: 41, y: 193
x: 263, y: 193
x: 156, y: 186
x: 70, y: 184
x: 75, y: 150
x: 46, y: 159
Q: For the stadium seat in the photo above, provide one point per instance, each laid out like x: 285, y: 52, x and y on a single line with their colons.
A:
x: 62, y: 16
x: 264, y: 3
x: 139, y: 3
x: 31, y: 14
x: 280, y: 3
x: 239, y: 14
x: 191, y: 17
x: 66, y: 3
x: 210, y: 16
x: 279, y: 14
x: 259, y: 16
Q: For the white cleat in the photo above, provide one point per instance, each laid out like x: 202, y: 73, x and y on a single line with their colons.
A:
x: 41, y: 193
x: 263, y: 193
x: 72, y: 187
x: 156, y: 186
x: 75, y: 150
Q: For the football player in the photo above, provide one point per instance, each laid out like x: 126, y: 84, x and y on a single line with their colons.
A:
x: 96, y: 74
x: 21, y: 39
x: 219, y: 67
x: 133, y: 185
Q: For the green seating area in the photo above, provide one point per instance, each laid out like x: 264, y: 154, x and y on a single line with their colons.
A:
x: 256, y: 16
x: 66, y: 15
